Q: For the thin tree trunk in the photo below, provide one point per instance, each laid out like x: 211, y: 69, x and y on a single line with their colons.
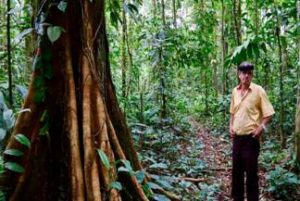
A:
x: 256, y: 17
x: 237, y: 20
x: 174, y: 13
x: 297, y: 131
x: 163, y: 18
x: 124, y: 57
x: 280, y: 56
x: 130, y: 60
x: 163, y: 110
x: 154, y: 7
x: 297, y: 118
x: 9, y: 65
x: 223, y: 49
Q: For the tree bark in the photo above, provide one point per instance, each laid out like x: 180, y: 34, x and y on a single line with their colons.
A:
x: 174, y: 13
x: 163, y: 17
x: 124, y: 57
x: 297, y: 131
x: 223, y: 50
x: 297, y: 118
x: 83, y: 117
x: 281, y: 67
x: 154, y: 6
x: 9, y: 65
x: 237, y: 20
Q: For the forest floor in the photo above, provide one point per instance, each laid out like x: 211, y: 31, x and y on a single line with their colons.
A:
x: 217, y: 155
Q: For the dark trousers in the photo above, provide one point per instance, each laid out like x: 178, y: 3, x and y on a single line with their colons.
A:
x: 244, y: 160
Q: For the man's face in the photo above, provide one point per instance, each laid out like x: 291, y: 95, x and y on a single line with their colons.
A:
x: 245, y: 76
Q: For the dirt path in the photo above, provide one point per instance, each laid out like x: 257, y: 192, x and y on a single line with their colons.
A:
x: 217, y: 155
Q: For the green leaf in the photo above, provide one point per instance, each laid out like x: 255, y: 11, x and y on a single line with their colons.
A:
x: 62, y: 6
x: 160, y: 197
x: 22, y: 35
x: 23, y: 140
x: 9, y: 119
x: 127, y: 165
x: 159, y: 166
x: 103, y: 158
x: 15, y: 167
x: 13, y: 152
x: 140, y: 176
x: 132, y: 8
x: 122, y: 169
x: 116, y: 185
x: 127, y: 168
x: 2, y: 134
x: 2, y: 196
x: 153, y: 185
x: 54, y: 32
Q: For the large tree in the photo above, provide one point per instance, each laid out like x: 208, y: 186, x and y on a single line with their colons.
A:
x: 73, y: 114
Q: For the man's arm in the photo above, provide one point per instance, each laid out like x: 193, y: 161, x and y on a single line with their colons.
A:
x: 231, y: 125
x: 259, y: 130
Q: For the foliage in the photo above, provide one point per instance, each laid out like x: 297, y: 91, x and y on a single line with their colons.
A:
x: 284, y: 185
x: 7, y: 119
x: 208, y: 192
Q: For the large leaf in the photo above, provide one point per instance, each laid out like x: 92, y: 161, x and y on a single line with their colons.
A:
x: 103, y: 158
x: 160, y: 197
x: 15, y: 167
x: 62, y: 6
x: 116, y: 185
x: 2, y: 196
x: 9, y: 119
x: 54, y: 32
x: 22, y: 35
x: 13, y: 152
x: 23, y: 140
x: 2, y: 134
x: 153, y: 185
x: 140, y: 176
x: 159, y: 166
x: 127, y: 167
x: 22, y: 90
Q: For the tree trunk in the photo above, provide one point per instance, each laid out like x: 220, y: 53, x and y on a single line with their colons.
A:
x: 124, y: 57
x: 174, y: 13
x: 154, y: 7
x: 163, y: 17
x: 223, y: 50
x: 163, y: 107
x: 237, y: 20
x: 280, y: 56
x: 297, y: 131
x: 82, y: 113
x: 9, y: 65
x: 297, y: 122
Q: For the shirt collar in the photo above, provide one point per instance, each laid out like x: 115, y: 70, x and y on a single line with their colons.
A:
x: 250, y: 87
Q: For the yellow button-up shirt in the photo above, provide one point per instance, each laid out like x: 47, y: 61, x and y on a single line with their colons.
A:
x: 249, y: 110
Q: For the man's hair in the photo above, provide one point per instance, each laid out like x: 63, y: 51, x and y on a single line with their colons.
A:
x: 245, y: 65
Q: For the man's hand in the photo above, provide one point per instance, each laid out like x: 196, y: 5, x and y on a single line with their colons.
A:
x: 231, y: 131
x: 259, y: 130
x: 257, y: 133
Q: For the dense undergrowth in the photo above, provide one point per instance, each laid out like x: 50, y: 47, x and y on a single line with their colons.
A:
x: 174, y: 157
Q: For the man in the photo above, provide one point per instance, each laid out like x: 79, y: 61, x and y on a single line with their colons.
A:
x: 250, y: 111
